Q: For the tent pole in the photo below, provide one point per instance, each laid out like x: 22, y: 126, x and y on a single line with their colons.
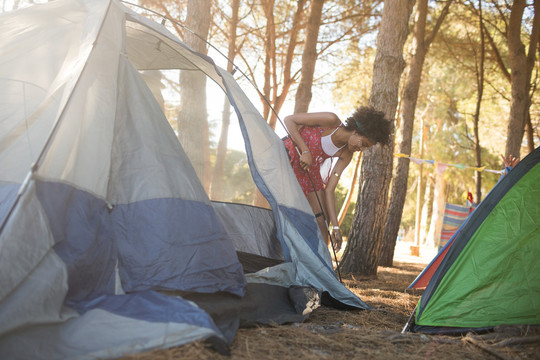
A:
x: 408, y: 324
x: 323, y: 214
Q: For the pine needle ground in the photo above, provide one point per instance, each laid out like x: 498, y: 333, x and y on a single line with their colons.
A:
x: 376, y: 334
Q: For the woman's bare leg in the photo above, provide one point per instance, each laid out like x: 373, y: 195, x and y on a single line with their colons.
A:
x: 315, y: 206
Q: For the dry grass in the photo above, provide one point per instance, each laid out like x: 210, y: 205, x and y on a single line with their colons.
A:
x: 376, y: 334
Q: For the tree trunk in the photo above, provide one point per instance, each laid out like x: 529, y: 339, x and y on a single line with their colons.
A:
x: 410, y: 97
x: 427, y: 210
x: 347, y: 202
x: 439, y: 202
x: 269, y: 53
x: 516, y: 54
x: 288, y: 80
x: 531, y: 58
x: 309, y: 57
x: 221, y: 152
x: 530, y: 132
x: 479, y: 94
x: 216, y: 187
x: 420, y: 190
x: 365, y: 241
x: 193, y: 117
x: 519, y: 79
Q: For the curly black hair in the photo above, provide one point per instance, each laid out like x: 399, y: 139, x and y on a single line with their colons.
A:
x: 371, y: 123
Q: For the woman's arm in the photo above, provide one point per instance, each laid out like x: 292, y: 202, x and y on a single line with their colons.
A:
x: 330, y: 196
x: 294, y: 123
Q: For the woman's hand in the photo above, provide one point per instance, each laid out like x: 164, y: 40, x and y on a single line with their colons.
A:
x: 336, y: 239
x: 295, y: 123
x: 306, y: 160
x: 511, y: 161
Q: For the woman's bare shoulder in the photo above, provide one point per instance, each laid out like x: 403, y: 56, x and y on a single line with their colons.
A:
x: 323, y: 119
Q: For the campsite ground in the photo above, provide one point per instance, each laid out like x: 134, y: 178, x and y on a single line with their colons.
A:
x: 376, y: 334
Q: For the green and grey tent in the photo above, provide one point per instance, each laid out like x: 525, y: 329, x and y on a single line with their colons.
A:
x: 110, y: 243
x: 490, y: 275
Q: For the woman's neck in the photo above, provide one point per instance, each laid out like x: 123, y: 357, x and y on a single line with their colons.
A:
x: 341, y: 137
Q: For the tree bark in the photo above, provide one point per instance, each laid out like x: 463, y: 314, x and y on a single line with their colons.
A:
x: 347, y: 202
x: 515, y: 46
x: 439, y: 202
x: 410, y: 97
x: 309, y: 58
x: 221, y: 151
x: 529, y: 130
x: 519, y: 81
x: 288, y: 79
x: 193, y: 116
x: 427, y: 209
x: 479, y: 94
x: 531, y: 58
x: 269, y: 53
x: 365, y: 241
x: 420, y: 189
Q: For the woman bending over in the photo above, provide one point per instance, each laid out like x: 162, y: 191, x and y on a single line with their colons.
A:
x: 319, y: 136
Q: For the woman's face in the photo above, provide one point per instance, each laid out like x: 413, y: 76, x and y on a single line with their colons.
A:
x: 358, y: 142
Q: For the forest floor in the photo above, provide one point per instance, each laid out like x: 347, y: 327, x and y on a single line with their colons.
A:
x: 369, y: 334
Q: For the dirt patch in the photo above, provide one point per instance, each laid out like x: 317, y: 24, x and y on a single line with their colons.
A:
x: 373, y: 334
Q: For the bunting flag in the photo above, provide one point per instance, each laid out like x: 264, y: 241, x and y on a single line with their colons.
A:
x: 418, y: 161
x: 442, y: 166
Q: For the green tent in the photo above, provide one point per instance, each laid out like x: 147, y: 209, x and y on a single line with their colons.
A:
x: 491, y: 274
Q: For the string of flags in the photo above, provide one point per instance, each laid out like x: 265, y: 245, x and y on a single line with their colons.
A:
x: 442, y: 166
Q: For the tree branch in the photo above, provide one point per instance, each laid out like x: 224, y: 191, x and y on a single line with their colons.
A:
x: 438, y: 24
x: 474, y: 341
x: 497, y: 54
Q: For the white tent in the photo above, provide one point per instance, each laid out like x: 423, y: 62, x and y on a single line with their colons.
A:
x: 107, y: 235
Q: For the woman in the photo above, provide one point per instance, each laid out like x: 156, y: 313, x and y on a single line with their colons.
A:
x: 318, y: 136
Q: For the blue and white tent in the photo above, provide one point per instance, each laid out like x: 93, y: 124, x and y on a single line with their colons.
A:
x: 109, y: 243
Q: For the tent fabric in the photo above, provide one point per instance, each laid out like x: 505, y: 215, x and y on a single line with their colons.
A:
x: 490, y: 275
x: 293, y: 215
x: 250, y: 228
x: 103, y: 219
x: 454, y: 216
x: 111, y: 326
x: 262, y: 304
x: 422, y: 280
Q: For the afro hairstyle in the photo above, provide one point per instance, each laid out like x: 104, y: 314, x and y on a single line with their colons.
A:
x: 371, y: 123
